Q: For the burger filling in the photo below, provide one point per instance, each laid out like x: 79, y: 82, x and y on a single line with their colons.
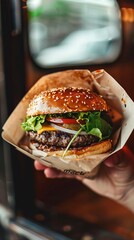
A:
x: 54, y: 140
x: 67, y: 130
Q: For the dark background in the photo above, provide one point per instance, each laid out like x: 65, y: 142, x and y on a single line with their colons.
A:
x: 31, y: 193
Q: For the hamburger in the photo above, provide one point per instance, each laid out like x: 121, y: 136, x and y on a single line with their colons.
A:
x: 68, y: 121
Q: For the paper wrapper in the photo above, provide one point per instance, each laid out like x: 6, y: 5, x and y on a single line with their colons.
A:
x: 100, y: 81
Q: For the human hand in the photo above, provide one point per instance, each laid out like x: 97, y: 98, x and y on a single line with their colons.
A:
x: 53, y: 172
x: 115, y: 178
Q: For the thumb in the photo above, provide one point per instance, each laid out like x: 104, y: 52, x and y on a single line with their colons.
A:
x: 122, y: 158
x: 116, y: 161
x: 121, y: 165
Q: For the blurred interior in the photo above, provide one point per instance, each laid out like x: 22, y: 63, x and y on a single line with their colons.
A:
x: 45, y: 37
x: 62, y: 33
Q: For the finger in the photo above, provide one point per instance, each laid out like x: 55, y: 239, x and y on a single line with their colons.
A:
x: 54, y: 173
x: 51, y: 172
x: 117, y: 160
x: 121, y: 159
x: 39, y: 166
x: 120, y: 166
x: 112, y: 161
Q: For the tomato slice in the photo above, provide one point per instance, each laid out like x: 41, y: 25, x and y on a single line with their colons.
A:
x: 62, y: 120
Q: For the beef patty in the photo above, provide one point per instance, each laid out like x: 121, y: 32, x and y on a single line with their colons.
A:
x: 59, y: 140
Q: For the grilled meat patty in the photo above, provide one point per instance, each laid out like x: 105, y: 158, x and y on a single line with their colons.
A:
x: 59, y: 139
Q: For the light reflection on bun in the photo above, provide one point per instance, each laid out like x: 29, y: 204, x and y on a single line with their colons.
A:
x: 64, y: 100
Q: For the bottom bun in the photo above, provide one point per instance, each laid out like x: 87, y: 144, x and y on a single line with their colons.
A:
x: 84, y: 162
x: 77, y: 154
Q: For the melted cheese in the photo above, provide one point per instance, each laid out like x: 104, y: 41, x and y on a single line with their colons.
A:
x: 46, y: 128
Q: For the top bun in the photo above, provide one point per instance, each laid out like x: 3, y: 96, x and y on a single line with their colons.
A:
x: 62, y: 100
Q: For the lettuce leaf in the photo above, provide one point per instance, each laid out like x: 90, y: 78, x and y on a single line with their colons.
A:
x: 92, y: 123
x: 33, y: 123
x: 96, y: 132
x: 95, y: 125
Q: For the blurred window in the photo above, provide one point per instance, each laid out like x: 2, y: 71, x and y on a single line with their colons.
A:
x: 73, y: 32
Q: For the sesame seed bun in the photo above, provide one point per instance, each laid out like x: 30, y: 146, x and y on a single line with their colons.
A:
x: 62, y: 100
